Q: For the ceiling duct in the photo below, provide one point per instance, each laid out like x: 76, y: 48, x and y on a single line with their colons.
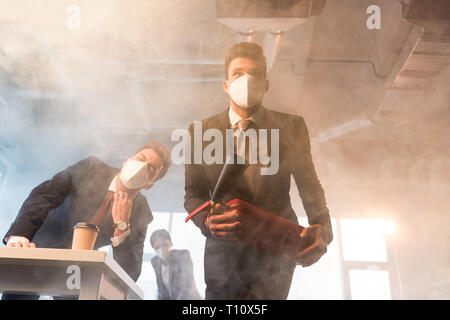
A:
x: 427, y: 59
x: 272, y: 17
x: 265, y: 15
x: 419, y: 73
x: 432, y: 50
x: 420, y: 11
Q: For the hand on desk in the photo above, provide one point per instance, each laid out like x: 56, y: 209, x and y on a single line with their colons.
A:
x: 19, y: 242
x: 317, y: 249
x: 224, y: 222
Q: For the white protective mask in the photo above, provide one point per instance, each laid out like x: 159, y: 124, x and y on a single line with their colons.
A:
x: 134, y: 174
x: 247, y: 91
x: 160, y: 253
x: 163, y: 252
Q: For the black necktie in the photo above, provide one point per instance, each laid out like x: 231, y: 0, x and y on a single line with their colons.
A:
x: 244, y: 124
x: 239, y: 141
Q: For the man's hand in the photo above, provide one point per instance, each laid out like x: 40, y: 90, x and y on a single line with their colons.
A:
x: 19, y: 242
x: 224, y: 222
x: 121, y: 209
x: 318, y: 247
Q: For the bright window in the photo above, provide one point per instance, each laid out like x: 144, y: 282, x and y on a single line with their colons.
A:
x: 147, y: 279
x: 363, y: 240
x: 365, y: 257
x: 188, y: 236
x: 322, y: 280
x: 370, y: 284
x: 2, y: 177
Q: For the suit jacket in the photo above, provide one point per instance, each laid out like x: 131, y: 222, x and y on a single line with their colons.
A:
x: 181, y: 277
x: 73, y: 195
x: 270, y: 192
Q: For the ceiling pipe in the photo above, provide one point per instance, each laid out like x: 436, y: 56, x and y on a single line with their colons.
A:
x: 271, y: 45
x: 245, y: 36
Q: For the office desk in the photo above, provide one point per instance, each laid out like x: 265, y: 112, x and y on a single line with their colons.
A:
x: 54, y: 271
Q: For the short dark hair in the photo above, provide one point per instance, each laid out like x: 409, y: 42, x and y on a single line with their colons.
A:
x: 159, y: 234
x: 248, y: 50
x: 162, y: 152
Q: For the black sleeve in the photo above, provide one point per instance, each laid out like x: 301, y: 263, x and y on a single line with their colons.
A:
x: 308, y: 184
x: 196, y: 185
x: 45, y: 197
x: 129, y: 253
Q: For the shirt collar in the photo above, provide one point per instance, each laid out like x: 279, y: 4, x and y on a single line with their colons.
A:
x: 112, y: 186
x: 257, y: 117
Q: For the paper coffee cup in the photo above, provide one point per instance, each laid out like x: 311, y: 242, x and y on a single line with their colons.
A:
x: 84, y: 236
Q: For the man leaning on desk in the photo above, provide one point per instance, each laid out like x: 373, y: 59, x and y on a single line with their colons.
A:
x: 47, y: 216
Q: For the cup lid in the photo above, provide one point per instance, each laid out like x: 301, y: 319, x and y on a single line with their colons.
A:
x: 87, y: 226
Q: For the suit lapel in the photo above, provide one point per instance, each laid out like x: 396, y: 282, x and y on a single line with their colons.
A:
x: 221, y: 122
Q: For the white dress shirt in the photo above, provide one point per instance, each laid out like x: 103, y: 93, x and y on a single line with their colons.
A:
x: 257, y: 117
x: 165, y: 271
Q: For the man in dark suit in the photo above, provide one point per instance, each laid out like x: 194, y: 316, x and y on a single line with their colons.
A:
x: 233, y: 269
x: 173, y: 269
x: 47, y: 217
